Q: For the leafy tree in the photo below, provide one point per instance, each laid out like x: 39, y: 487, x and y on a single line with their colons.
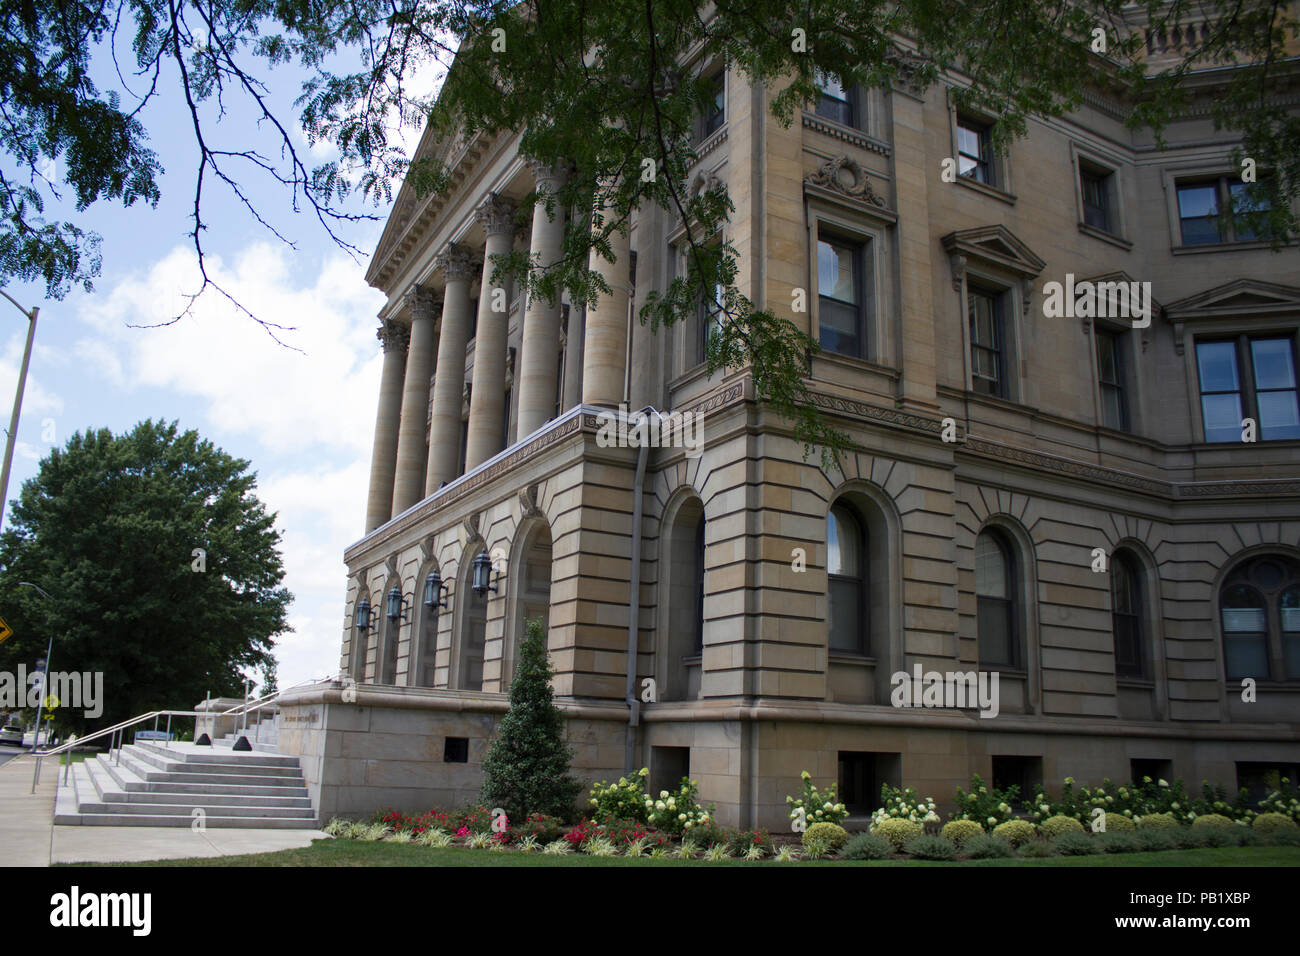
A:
x: 600, y: 85
x: 527, y: 767
x: 111, y: 528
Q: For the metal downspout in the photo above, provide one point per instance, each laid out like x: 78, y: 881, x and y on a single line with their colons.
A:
x: 634, y: 605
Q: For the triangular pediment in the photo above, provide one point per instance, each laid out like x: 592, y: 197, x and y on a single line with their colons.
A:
x: 996, y: 245
x: 1119, y: 276
x: 1240, y: 297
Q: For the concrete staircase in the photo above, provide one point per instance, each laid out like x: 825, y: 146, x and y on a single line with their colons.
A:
x: 155, y: 785
x: 263, y: 736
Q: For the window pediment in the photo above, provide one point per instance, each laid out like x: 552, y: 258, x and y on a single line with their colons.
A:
x: 1236, y: 300
x: 997, y: 246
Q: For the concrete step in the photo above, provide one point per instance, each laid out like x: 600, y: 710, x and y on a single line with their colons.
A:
x: 94, y: 819
x: 246, y: 760
x: 128, y: 779
x: 195, y: 770
x: 110, y: 790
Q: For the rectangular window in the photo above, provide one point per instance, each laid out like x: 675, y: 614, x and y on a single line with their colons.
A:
x: 987, y: 350
x: 1094, y: 184
x: 1024, y: 773
x: 455, y: 750
x: 1248, y: 377
x: 841, y: 292
x: 715, y: 108
x: 975, y: 150
x: 1110, y: 374
x: 837, y: 103
x: 1199, y: 206
x: 708, y: 320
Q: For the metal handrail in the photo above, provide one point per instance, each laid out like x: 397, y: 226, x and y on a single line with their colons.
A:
x: 120, y: 728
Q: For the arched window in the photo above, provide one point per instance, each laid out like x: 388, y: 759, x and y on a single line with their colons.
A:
x: 1259, y: 610
x: 698, y: 646
x: 424, y: 641
x: 532, y: 593
x: 1126, y: 611
x: 846, y: 571
x: 995, y: 599
x: 680, y: 645
x: 473, y: 625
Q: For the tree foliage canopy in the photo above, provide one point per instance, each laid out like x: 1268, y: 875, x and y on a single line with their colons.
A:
x: 603, y: 85
x: 108, y: 528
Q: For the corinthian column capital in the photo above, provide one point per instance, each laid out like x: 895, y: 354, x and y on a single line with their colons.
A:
x: 423, y: 303
x: 456, y: 262
x: 393, y: 335
x: 548, y: 176
x: 496, y: 216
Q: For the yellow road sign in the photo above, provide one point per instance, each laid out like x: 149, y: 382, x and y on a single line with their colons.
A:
x: 5, y: 631
x: 51, y: 702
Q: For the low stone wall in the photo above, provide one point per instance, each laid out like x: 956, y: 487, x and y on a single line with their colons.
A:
x: 364, y: 747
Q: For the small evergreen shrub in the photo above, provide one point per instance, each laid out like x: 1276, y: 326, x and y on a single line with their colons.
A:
x: 1075, y: 843
x: 1284, y: 837
x: 1265, y: 823
x: 926, y: 847
x: 1035, y: 849
x: 1156, y: 838
x: 1191, y: 838
x: 1016, y: 832
x: 1120, y: 841
x: 1220, y: 836
x: 824, y: 838
x: 987, y: 847
x: 1154, y: 821
x: 1118, y: 823
x: 957, y: 832
x: 1054, y: 827
x: 898, y: 831
x: 1212, y: 820
x: 867, y: 846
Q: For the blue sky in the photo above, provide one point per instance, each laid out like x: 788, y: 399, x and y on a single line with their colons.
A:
x: 303, y: 419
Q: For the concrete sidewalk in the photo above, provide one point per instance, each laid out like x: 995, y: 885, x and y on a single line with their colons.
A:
x: 28, y: 836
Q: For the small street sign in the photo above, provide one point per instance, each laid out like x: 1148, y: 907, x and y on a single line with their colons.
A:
x: 6, y: 631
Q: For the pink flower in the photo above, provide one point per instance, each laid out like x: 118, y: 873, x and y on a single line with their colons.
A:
x: 462, y: 832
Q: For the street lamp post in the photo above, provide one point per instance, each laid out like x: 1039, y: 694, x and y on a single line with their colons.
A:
x: 18, y: 401
x: 45, y: 676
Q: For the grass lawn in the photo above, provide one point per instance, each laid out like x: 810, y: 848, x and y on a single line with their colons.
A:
x: 358, y: 853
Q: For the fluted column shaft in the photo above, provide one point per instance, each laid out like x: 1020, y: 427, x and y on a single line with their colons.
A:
x: 540, y: 349
x: 412, y: 455
x: 457, y: 267
x: 604, y: 351
x: 487, y: 398
x: 383, y: 461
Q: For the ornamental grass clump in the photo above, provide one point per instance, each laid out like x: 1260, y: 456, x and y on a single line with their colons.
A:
x: 1054, y: 827
x: 1036, y: 849
x: 987, y: 847
x: 1156, y: 838
x: 957, y: 832
x: 927, y: 847
x: 599, y: 846
x: 338, y: 828
x: 1119, y: 841
x: 786, y: 854
x: 897, y: 831
x: 558, y: 848
x: 1016, y: 832
x: 717, y: 852
x: 814, y: 806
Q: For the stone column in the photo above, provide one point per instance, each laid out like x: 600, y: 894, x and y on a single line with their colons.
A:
x: 487, y: 398
x: 604, y: 350
x: 383, y: 462
x: 411, y: 452
x: 457, y: 267
x: 540, y: 351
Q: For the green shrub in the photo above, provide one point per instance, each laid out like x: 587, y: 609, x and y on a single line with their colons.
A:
x: 983, y: 805
x: 824, y: 838
x: 526, y: 769
x: 1284, y: 837
x: 927, y: 847
x: 867, y: 846
x: 1267, y: 823
x: 1016, y: 832
x: 898, y: 831
x: 957, y: 832
x: 1212, y: 820
x: 1037, y: 848
x: 987, y: 847
x: 1156, y: 838
x: 1156, y: 821
x: 1220, y: 836
x: 1119, y: 841
x: 624, y: 799
x: 679, y: 813
x: 1191, y: 838
x: 1076, y: 843
x: 814, y: 806
x: 1118, y: 823
x: 1248, y: 837
x: 1054, y: 827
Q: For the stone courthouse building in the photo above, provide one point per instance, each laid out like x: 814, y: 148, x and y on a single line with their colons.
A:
x: 1003, y: 452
